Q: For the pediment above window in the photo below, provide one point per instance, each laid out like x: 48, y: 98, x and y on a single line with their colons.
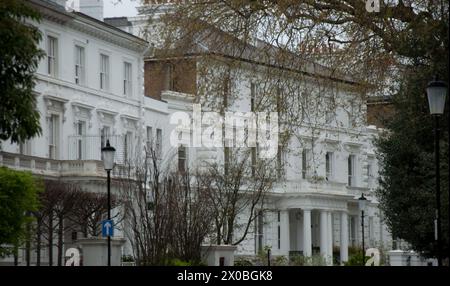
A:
x: 129, y: 121
x: 106, y: 116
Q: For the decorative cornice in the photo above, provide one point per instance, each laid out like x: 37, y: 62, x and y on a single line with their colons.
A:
x: 82, y: 105
x: 107, y: 111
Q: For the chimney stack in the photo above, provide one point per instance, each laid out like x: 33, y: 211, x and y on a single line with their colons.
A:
x: 92, y: 8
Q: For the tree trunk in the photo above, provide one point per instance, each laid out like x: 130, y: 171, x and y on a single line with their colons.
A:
x: 50, y: 239
x: 28, y: 245
x: 38, y: 241
x: 60, y: 240
x: 16, y: 255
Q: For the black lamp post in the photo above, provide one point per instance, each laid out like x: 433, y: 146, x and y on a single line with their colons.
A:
x: 362, y: 201
x: 108, y: 163
x: 436, y: 92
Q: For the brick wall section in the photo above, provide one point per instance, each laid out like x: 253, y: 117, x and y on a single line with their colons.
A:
x: 156, y: 77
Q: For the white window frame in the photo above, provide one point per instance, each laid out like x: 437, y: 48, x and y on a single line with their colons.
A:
x: 104, y: 71
x: 259, y: 231
x: 351, y: 170
x: 81, y: 127
x: 182, y: 160
x: 329, y: 165
x: 127, y: 78
x: 128, y: 145
x: 80, y: 64
x: 149, y: 141
x: 158, y: 143
x: 54, y: 136
x: 52, y: 55
x: 306, y: 163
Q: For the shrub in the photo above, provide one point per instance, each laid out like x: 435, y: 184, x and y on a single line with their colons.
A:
x: 300, y: 260
x: 280, y: 260
x: 241, y: 261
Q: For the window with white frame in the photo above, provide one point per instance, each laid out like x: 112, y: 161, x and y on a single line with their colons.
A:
x: 105, y: 134
x: 259, y: 232
x: 329, y: 165
x: 149, y: 141
x: 81, y: 138
x: 79, y: 65
x: 227, y: 159
x: 52, y: 56
x: 127, y: 86
x: 158, y: 143
x: 128, y: 146
x: 182, y: 158
x: 306, y: 163
x: 104, y: 72
x: 351, y: 170
x: 53, y: 136
x: 254, y: 159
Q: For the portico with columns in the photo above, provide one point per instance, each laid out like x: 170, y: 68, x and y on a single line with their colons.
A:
x: 309, y: 224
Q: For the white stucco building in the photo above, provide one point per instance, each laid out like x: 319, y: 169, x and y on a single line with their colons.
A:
x: 90, y: 88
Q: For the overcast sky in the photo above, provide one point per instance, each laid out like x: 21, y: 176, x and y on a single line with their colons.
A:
x: 117, y: 8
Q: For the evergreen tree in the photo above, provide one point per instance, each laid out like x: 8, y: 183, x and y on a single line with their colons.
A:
x: 19, y: 57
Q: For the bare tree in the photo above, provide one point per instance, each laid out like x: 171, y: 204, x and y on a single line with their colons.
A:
x: 239, y: 188
x: 65, y: 207
x: 90, y: 209
x: 166, y: 213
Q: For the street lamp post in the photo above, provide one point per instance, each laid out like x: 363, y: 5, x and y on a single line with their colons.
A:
x: 436, y: 92
x: 362, y: 201
x: 108, y: 163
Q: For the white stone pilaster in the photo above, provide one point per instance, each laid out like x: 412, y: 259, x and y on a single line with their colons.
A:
x: 284, y: 232
x: 323, y: 233
x: 329, y: 238
x: 344, y: 237
x: 307, y: 247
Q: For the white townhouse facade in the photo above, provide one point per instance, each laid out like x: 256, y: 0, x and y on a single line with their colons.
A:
x: 96, y: 84
x: 313, y: 208
x: 89, y: 89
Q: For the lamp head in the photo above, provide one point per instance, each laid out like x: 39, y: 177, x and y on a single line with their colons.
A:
x: 108, y: 156
x: 362, y: 202
x: 436, y: 93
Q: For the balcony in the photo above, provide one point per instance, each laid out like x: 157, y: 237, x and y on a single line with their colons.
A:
x: 61, y: 168
x: 52, y: 168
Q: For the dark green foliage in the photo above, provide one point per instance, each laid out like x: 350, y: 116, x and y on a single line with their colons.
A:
x: 18, y: 196
x: 19, y: 57
x: 406, y: 152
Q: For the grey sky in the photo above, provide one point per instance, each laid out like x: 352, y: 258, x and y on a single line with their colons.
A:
x: 117, y: 8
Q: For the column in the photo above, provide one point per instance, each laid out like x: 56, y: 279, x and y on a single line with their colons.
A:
x: 307, y: 247
x: 330, y: 238
x: 323, y: 234
x: 344, y: 237
x: 284, y: 232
